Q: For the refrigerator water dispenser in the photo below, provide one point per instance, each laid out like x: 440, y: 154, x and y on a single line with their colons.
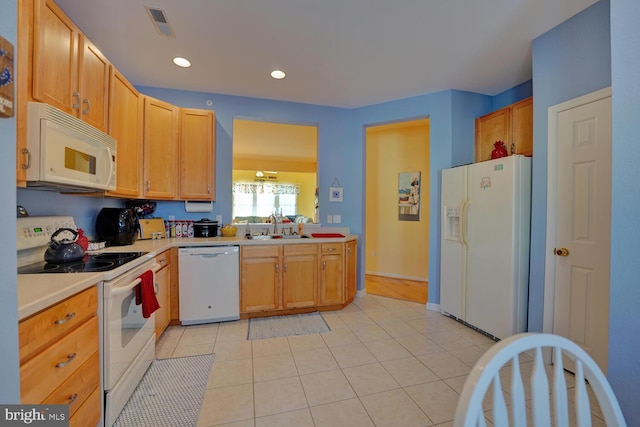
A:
x: 452, y: 224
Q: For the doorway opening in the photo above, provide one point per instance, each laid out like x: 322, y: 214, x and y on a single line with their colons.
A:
x: 397, y: 210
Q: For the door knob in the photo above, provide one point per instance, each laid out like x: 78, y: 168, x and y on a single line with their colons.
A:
x: 561, y: 251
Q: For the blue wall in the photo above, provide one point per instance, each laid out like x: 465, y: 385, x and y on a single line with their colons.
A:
x: 570, y: 60
x: 340, y: 148
x: 515, y: 94
x: 452, y: 115
x: 9, y: 367
x: 624, y: 323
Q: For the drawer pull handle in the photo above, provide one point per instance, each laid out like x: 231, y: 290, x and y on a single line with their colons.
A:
x: 66, y: 362
x: 66, y: 319
x: 72, y: 398
x: 331, y: 249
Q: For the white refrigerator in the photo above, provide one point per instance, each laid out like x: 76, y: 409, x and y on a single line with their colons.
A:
x: 484, y: 264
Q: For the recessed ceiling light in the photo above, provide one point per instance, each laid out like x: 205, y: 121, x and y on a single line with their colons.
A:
x: 278, y: 74
x: 182, y: 62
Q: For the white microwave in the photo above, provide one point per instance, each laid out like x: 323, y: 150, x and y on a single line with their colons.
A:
x: 65, y: 153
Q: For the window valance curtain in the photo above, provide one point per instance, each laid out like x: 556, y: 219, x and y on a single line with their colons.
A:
x: 264, y: 188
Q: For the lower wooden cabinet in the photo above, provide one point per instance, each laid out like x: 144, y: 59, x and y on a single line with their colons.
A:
x: 163, y: 292
x: 331, y: 270
x: 260, y: 288
x: 59, y: 357
x: 300, y: 276
x: 351, y: 269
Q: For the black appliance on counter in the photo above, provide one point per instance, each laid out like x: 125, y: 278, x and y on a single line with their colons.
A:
x: 205, y: 228
x: 117, y: 226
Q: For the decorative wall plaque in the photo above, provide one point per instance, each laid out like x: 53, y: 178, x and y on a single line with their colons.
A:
x: 6, y: 78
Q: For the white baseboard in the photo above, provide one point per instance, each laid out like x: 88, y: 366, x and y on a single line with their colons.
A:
x: 433, y: 307
x: 398, y: 276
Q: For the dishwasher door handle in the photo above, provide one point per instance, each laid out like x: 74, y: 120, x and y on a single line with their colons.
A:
x: 210, y: 255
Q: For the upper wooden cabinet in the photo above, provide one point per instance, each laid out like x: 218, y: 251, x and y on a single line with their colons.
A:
x: 69, y: 72
x: 160, y: 151
x: 197, y: 154
x: 512, y: 124
x: 126, y: 108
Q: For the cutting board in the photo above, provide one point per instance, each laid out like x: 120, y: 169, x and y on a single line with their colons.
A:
x: 150, y: 226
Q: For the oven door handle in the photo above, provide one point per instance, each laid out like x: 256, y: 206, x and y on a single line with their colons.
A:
x: 126, y: 288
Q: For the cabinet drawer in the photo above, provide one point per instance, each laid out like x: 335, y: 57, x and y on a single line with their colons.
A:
x: 89, y: 413
x: 332, y: 248
x: 164, y: 258
x: 46, y: 372
x: 303, y: 249
x: 46, y: 327
x: 78, y: 387
x: 260, y: 251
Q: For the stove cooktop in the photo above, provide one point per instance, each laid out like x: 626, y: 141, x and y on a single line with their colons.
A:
x: 91, y: 263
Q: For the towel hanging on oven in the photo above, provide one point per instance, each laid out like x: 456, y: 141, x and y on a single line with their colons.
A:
x: 146, y: 295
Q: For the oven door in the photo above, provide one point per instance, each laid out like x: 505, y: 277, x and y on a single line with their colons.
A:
x: 126, y: 331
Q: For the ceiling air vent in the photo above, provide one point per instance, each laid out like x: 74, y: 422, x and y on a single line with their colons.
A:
x: 159, y: 19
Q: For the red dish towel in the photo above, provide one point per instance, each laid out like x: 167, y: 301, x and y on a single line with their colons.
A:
x: 145, y: 294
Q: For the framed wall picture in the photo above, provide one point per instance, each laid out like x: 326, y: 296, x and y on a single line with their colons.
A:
x: 335, y: 194
x: 335, y: 191
x: 409, y: 196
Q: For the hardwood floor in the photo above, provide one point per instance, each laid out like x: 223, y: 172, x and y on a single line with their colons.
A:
x: 408, y: 290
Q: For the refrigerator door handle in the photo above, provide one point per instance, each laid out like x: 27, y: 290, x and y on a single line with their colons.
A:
x: 465, y: 223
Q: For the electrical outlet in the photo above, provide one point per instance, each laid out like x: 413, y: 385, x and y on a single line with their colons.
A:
x: 219, y: 219
x: 373, y: 253
x: 337, y: 219
x: 329, y: 219
x: 172, y: 217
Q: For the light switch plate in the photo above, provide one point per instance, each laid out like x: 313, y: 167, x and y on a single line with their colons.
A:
x: 337, y: 219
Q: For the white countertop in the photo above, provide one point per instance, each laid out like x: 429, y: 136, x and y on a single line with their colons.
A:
x: 39, y: 291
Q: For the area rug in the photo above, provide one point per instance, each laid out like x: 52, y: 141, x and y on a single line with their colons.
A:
x: 170, y: 393
x: 283, y: 326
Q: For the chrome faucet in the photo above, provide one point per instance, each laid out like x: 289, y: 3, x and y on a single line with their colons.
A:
x: 275, y: 223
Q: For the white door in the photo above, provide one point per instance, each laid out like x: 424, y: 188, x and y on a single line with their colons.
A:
x: 583, y: 220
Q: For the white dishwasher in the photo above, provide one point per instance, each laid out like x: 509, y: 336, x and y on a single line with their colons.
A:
x: 209, y: 284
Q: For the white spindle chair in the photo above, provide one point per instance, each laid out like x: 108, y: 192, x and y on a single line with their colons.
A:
x: 548, y: 406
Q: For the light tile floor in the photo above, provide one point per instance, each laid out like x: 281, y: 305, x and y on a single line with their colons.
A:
x: 385, y: 362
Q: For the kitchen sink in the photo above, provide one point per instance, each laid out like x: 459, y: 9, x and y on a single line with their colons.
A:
x: 260, y: 237
x: 276, y: 236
